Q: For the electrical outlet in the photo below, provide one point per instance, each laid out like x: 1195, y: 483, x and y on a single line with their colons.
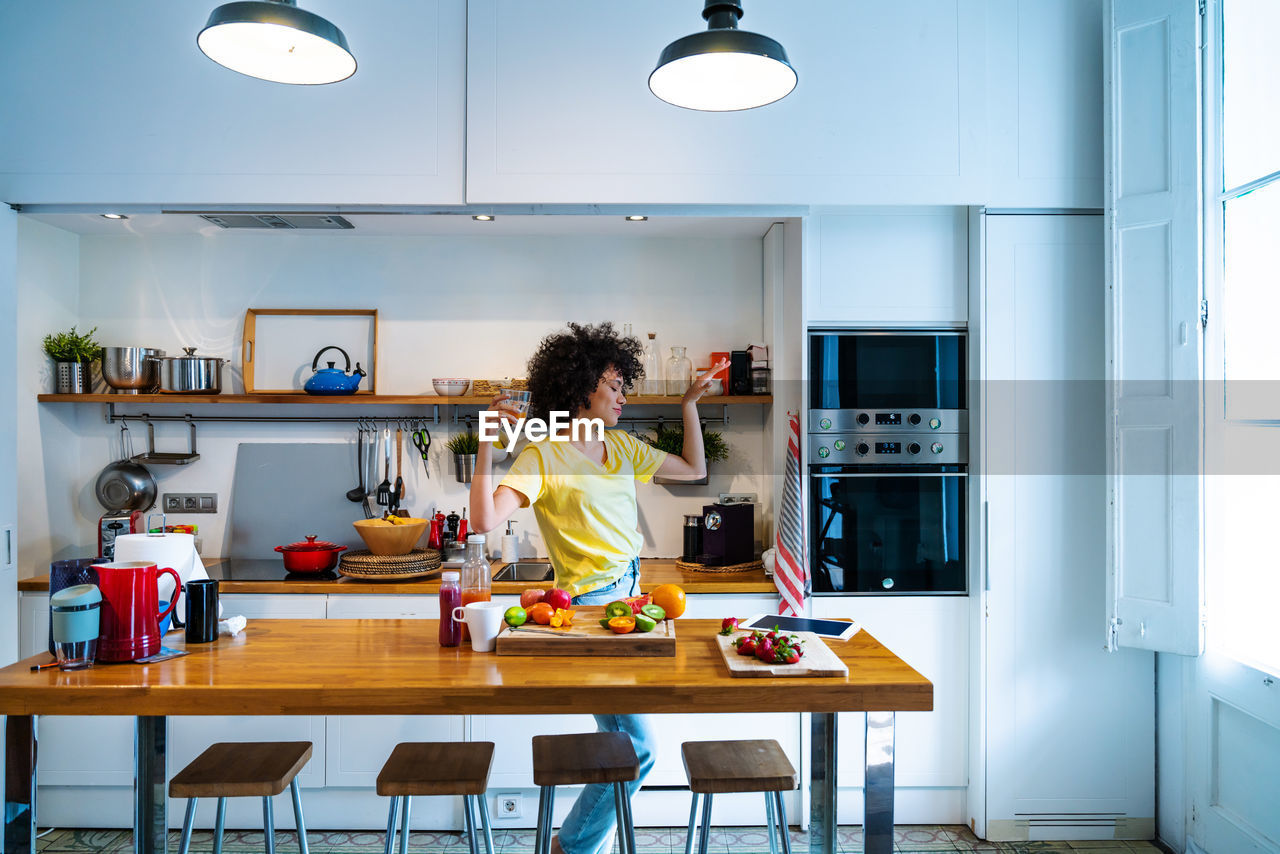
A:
x: 189, y: 502
x: 509, y: 805
x: 737, y: 498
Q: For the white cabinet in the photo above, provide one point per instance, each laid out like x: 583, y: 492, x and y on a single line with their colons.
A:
x: 888, y: 109
x: 108, y: 105
x: 1069, y: 727
x: 889, y: 266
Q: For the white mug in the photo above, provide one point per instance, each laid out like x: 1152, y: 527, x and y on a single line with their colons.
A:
x: 484, y: 621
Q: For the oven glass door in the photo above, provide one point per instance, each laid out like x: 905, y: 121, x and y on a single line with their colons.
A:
x: 888, y: 530
x: 887, y: 370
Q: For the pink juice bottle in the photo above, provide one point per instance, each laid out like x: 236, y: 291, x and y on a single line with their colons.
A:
x: 450, y: 598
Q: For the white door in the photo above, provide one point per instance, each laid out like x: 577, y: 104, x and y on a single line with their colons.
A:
x: 1069, y: 726
x: 8, y: 439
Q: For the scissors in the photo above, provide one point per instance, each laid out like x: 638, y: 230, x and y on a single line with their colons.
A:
x: 422, y: 441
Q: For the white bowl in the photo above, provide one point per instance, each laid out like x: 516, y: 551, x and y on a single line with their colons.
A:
x: 450, y: 386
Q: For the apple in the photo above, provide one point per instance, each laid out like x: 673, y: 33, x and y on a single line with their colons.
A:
x: 530, y: 597
x: 558, y: 598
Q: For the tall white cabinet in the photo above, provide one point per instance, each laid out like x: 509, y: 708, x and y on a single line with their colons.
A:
x: 1069, y: 727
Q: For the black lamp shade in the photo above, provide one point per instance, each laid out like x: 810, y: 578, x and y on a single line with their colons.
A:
x: 277, y: 41
x: 721, y: 70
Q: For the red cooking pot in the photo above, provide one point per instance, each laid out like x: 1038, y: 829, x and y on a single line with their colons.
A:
x: 310, y: 556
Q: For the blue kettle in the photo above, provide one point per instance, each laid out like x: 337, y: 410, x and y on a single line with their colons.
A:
x: 330, y: 380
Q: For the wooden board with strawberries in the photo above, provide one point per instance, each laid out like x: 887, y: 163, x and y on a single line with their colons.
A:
x: 817, y: 659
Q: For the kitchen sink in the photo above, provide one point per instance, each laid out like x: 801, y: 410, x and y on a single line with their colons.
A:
x: 525, y: 570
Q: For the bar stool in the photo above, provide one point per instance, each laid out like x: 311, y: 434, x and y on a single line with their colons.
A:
x: 438, y: 768
x: 583, y: 758
x: 751, y: 765
x: 243, y: 769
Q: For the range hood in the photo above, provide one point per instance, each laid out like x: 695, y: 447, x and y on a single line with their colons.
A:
x: 277, y: 221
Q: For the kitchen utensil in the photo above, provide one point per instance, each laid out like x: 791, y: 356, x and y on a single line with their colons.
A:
x: 483, y: 620
x: 359, y: 492
x: 189, y: 373
x: 125, y: 485
x: 330, y: 380
x: 586, y: 637
x: 130, y: 609
x: 818, y: 659
x: 131, y: 370
x: 450, y: 386
x: 310, y: 556
x: 202, y: 611
x: 385, y: 538
x: 422, y: 441
x: 384, y: 488
x: 74, y: 625
x: 167, y: 458
x: 728, y: 534
x: 112, y: 526
x: 397, y: 491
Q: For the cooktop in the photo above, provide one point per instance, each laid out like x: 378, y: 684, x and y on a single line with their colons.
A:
x: 249, y: 569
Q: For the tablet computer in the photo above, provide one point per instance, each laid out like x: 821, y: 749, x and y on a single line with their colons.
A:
x: 837, y: 629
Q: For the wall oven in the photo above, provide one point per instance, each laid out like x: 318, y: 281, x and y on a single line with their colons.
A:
x: 888, y: 462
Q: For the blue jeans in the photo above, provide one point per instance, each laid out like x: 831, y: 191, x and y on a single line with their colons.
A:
x: 588, y: 829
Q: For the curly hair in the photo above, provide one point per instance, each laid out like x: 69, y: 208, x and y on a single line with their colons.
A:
x: 567, y: 366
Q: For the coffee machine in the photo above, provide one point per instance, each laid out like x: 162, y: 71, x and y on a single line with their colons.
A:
x: 112, y: 525
x: 728, y: 534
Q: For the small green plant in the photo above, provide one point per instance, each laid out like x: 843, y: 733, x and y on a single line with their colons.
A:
x: 71, y: 346
x: 464, y: 444
x: 671, y: 440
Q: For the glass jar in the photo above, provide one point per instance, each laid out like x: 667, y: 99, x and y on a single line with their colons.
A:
x: 450, y: 598
x: 476, y: 575
x: 679, y: 372
x: 652, y: 363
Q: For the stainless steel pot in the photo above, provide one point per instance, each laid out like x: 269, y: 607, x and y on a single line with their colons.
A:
x: 131, y: 370
x: 191, y: 374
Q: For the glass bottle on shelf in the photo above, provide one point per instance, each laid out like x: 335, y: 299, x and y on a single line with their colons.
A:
x: 679, y: 372
x: 652, y: 363
x: 476, y: 581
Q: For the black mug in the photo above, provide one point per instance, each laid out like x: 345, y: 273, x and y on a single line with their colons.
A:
x: 202, y: 610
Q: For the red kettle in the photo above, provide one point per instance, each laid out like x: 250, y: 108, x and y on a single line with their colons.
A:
x: 130, y: 599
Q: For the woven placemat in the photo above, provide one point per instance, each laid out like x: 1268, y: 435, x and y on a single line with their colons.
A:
x: 749, y: 566
x: 418, y: 563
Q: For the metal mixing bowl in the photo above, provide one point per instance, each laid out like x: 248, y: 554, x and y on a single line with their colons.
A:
x: 131, y: 370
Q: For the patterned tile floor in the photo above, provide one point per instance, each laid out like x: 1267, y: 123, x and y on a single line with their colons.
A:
x: 649, y: 840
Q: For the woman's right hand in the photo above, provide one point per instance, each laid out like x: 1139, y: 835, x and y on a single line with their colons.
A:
x: 507, y: 412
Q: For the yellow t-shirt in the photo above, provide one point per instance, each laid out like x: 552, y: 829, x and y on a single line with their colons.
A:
x: 586, y: 510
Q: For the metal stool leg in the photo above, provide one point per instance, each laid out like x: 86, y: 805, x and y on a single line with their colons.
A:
x: 542, y: 809
x: 629, y: 824
x: 482, y: 805
x: 269, y: 825
x: 404, y: 825
x: 297, y: 816
x: 693, y: 817
x: 620, y: 812
x: 783, y: 830
x: 706, y: 824
x: 187, y: 824
x: 770, y: 823
x: 469, y: 822
x: 391, y: 824
x: 220, y: 824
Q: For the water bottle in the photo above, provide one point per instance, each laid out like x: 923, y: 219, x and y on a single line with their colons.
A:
x: 450, y: 598
x: 652, y: 368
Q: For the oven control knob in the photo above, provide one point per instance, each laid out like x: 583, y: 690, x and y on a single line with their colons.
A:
x: 935, y: 423
x: 913, y: 448
x: 862, y: 449
x: 863, y: 418
x: 824, y: 452
x: 913, y: 418
x: 825, y: 423
x: 839, y: 444
x: 936, y: 447
x: 887, y: 584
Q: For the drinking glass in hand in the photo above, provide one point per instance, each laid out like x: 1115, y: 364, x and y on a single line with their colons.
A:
x: 517, y: 399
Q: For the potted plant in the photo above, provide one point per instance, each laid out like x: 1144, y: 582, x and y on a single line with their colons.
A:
x: 671, y: 440
x: 72, y: 354
x: 464, y: 448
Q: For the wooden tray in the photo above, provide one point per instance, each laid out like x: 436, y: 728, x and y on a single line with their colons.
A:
x: 818, y: 659
x: 300, y: 347
x: 587, y: 637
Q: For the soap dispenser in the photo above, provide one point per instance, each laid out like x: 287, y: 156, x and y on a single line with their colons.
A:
x: 510, y: 545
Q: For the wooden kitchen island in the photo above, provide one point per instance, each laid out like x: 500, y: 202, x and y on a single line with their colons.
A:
x: 379, y: 667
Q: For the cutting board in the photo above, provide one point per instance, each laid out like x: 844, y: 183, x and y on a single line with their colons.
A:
x: 587, y: 637
x: 818, y: 659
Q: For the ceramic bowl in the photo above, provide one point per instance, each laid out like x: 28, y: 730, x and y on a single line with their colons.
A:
x: 386, y: 539
x: 450, y: 386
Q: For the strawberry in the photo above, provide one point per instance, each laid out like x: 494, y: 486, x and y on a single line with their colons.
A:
x: 746, y: 646
x: 727, y: 625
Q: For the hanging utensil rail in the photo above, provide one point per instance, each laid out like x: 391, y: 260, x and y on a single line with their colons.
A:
x: 113, y: 416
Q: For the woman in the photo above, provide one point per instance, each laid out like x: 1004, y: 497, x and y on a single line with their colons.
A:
x: 584, y: 499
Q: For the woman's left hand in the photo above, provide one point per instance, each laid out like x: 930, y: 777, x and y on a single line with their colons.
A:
x: 702, y: 383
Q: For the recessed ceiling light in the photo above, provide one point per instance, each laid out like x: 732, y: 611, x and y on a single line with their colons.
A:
x: 636, y: 218
x: 114, y: 216
x: 275, y: 40
x: 483, y: 218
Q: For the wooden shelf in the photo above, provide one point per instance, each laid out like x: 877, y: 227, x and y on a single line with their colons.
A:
x: 361, y: 399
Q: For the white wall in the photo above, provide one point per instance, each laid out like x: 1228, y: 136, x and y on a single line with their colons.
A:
x: 473, y: 307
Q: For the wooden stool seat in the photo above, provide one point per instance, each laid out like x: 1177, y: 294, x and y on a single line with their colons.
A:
x: 236, y: 769
x: 437, y: 768
x: 752, y: 765
x: 580, y: 758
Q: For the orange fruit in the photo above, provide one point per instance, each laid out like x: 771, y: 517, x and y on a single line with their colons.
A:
x: 622, y: 625
x: 669, y: 597
x: 541, y: 613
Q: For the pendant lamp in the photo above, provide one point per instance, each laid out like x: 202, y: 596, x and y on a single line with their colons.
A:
x: 275, y: 40
x: 723, y: 68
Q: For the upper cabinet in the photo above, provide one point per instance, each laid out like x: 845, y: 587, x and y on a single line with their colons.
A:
x: 115, y: 104
x: 888, y: 108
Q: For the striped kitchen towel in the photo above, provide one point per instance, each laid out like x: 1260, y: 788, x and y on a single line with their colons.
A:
x: 791, y: 574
